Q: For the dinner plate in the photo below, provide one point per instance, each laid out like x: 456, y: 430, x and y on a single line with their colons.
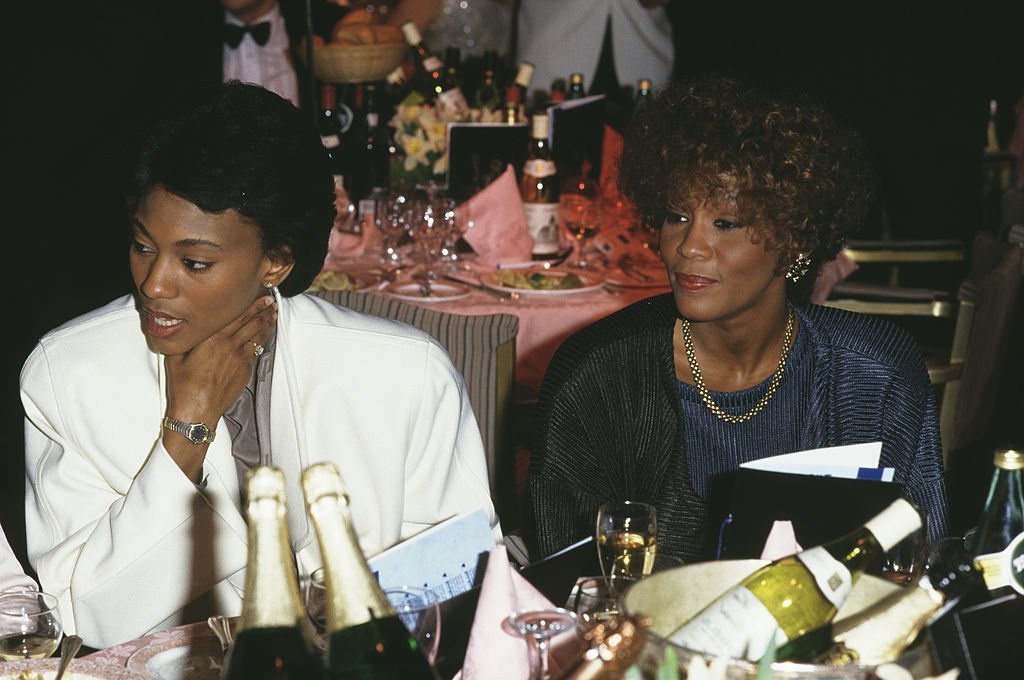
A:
x: 80, y: 669
x: 637, y: 275
x: 187, y: 658
x: 440, y: 291
x: 591, y: 282
x: 331, y: 280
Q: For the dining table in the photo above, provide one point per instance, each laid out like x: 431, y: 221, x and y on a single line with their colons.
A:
x: 546, y: 317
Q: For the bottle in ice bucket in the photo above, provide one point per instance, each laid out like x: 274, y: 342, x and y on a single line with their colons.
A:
x: 365, y: 638
x: 272, y: 641
x: 998, y: 542
x: 796, y: 594
x: 881, y: 632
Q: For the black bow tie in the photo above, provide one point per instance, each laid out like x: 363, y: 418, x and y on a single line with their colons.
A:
x: 233, y: 33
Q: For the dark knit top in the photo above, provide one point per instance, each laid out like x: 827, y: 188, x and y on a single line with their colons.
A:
x: 611, y: 426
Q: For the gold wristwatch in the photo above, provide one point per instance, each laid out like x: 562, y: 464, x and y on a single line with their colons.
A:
x: 197, y: 433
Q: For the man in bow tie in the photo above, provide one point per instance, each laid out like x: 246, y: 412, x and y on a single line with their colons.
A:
x: 257, y: 47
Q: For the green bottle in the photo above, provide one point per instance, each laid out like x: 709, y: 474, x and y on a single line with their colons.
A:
x: 272, y: 639
x: 365, y: 638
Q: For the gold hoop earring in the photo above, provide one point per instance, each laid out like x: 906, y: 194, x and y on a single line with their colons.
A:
x: 799, y: 268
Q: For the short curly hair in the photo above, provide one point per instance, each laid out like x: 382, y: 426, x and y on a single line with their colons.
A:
x: 240, y: 147
x: 799, y: 177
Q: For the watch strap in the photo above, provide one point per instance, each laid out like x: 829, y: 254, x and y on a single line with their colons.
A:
x: 196, y: 433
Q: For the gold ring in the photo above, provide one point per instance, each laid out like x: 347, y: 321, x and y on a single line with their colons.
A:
x: 257, y: 349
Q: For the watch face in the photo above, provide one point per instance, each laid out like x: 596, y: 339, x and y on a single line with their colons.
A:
x: 198, y: 433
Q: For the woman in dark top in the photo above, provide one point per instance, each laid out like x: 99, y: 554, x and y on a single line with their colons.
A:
x: 751, y: 192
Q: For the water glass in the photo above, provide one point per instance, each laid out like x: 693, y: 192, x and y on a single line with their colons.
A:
x: 420, y: 612
x: 537, y: 628
x: 30, y: 626
x: 580, y: 214
x: 390, y: 216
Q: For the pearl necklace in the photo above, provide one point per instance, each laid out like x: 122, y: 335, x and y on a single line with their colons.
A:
x: 698, y: 379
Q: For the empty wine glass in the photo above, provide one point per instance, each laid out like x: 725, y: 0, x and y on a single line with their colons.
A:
x: 580, y: 214
x: 626, y: 536
x: 419, y: 610
x: 428, y: 234
x: 537, y: 628
x: 30, y: 627
x: 315, y: 599
x: 345, y: 210
x: 390, y: 218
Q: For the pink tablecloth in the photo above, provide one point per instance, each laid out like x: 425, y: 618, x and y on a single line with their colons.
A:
x: 543, y: 322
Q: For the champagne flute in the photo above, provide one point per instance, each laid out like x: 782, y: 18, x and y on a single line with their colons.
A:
x: 30, y: 627
x: 420, y: 612
x: 537, y: 627
x: 626, y: 537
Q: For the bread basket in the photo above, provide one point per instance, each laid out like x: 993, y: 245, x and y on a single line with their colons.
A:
x: 356, y: 63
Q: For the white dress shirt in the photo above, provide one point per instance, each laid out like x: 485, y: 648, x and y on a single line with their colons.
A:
x: 561, y: 37
x: 268, y: 65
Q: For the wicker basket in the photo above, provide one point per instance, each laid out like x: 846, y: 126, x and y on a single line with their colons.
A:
x: 356, y: 63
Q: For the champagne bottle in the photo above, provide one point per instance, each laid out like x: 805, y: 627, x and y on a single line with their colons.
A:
x: 796, y: 594
x: 644, y: 95
x: 576, y: 90
x: 998, y: 542
x: 366, y: 639
x: 524, y: 76
x: 539, y: 191
x: 273, y: 637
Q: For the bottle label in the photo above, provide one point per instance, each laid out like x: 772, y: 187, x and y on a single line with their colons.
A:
x: 1004, y: 568
x: 539, y: 167
x: 432, y: 63
x: 453, y: 103
x: 736, y: 626
x: 330, y: 141
x: 542, y: 225
x: 833, y: 578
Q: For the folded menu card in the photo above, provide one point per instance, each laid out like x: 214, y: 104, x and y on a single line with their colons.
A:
x: 445, y: 558
x: 824, y: 493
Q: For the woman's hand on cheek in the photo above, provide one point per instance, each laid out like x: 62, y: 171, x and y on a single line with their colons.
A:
x: 203, y: 383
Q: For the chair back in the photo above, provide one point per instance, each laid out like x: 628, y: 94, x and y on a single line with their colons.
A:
x: 981, y: 340
x: 482, y: 348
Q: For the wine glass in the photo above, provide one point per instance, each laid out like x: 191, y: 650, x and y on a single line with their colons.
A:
x: 905, y: 561
x: 596, y: 598
x: 420, y: 612
x: 390, y: 218
x: 580, y: 214
x: 537, y: 627
x: 428, y: 235
x: 30, y: 627
x: 626, y: 538
x: 315, y: 599
x: 345, y: 210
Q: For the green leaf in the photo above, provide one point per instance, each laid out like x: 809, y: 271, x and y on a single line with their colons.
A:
x: 764, y: 666
x: 668, y: 669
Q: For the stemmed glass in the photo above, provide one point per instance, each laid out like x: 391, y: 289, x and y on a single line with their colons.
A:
x: 390, y: 216
x: 30, y: 627
x: 345, y: 210
x: 316, y: 607
x: 419, y: 610
x: 428, y: 234
x: 626, y: 535
x: 537, y: 628
x: 580, y: 214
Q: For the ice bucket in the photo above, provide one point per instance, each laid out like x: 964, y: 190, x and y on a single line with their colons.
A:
x: 669, y: 598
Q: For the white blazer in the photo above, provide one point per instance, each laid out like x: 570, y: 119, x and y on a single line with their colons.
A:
x: 561, y: 37
x: 130, y: 545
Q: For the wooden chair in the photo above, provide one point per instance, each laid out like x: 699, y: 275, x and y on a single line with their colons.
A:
x: 482, y: 348
x: 980, y: 347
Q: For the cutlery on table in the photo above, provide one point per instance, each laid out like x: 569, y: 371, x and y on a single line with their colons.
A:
x: 68, y: 649
x: 222, y: 629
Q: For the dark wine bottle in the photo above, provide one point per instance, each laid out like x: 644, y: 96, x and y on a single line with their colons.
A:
x: 273, y: 632
x: 488, y: 94
x: 429, y: 69
x: 366, y: 639
x: 576, y: 90
x: 331, y: 124
x: 998, y: 541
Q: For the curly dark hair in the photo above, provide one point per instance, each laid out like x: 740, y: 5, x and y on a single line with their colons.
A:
x: 241, y: 147
x: 799, y: 177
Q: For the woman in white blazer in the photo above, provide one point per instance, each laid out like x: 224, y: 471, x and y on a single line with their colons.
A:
x: 142, y: 416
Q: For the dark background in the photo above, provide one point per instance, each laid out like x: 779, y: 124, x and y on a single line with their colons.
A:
x: 914, y: 77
